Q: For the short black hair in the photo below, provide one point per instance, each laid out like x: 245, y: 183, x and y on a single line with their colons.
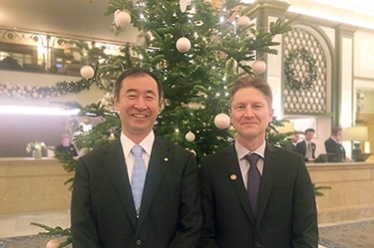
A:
x: 309, y: 130
x: 136, y: 71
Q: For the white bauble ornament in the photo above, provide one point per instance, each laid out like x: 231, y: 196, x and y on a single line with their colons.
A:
x: 87, y: 72
x: 190, y: 136
x: 244, y: 21
x: 122, y: 19
x: 183, y: 5
x: 53, y: 243
x: 86, y: 120
x: 183, y: 44
x: 259, y: 67
x: 222, y: 121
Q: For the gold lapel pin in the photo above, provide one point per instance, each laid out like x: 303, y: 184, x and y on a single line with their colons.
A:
x: 233, y: 177
x: 166, y: 159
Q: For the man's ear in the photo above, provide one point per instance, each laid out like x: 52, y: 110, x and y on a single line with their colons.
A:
x: 162, y: 105
x: 115, y: 103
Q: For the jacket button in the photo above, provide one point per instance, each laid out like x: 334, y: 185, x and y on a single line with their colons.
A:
x: 258, y: 244
x: 138, y: 242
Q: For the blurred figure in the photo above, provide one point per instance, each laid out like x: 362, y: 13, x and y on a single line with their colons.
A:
x: 66, y: 145
x: 334, y: 145
x: 292, y: 145
x: 306, y: 147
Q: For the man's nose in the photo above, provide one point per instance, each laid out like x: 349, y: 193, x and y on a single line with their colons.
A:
x: 140, y: 104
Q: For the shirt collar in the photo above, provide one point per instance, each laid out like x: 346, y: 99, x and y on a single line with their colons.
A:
x: 242, y: 151
x: 146, y: 143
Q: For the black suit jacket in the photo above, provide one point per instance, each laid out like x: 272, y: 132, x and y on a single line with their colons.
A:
x: 103, y: 212
x: 301, y: 148
x: 337, y: 149
x: 287, y: 215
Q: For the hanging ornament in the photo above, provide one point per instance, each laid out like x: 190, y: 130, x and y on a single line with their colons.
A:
x: 87, y: 72
x: 86, y: 120
x: 244, y: 21
x: 108, y: 97
x: 111, y: 137
x: 222, y: 121
x: 259, y: 67
x: 143, y: 39
x: 53, y: 243
x: 190, y: 136
x: 183, y: 44
x: 183, y: 5
x: 232, y: 65
x: 122, y: 19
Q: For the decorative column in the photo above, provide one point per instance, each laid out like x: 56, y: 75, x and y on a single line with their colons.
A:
x: 342, y: 98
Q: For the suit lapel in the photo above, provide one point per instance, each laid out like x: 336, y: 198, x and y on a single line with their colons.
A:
x: 267, y: 179
x: 233, y: 171
x: 158, y: 163
x: 115, y: 166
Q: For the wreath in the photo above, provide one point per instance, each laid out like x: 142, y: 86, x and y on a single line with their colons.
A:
x: 292, y: 80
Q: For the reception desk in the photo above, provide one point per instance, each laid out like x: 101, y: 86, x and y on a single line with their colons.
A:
x: 31, y: 185
x: 351, y: 196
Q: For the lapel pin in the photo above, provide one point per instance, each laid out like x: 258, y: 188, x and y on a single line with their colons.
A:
x: 166, y: 159
x: 233, y: 177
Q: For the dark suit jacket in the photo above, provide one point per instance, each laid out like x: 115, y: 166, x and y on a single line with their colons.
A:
x: 103, y: 212
x: 301, y: 148
x: 337, y: 149
x: 287, y: 215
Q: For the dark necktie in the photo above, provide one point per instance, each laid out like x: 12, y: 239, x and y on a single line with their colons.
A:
x: 254, y: 179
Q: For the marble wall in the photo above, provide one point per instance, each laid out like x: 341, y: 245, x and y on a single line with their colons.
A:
x: 351, y: 196
x: 32, y: 185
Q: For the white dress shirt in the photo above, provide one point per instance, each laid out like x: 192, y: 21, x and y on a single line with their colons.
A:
x: 127, y: 145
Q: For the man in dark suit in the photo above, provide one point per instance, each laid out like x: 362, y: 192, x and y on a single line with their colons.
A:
x: 168, y: 212
x: 306, y: 147
x: 293, y: 142
x: 283, y: 213
x: 334, y: 145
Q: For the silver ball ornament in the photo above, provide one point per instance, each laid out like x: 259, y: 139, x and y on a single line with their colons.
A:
x: 259, y: 67
x: 122, y: 19
x: 183, y: 44
x: 244, y: 21
x: 190, y: 136
x: 222, y: 121
x: 53, y: 243
x: 87, y: 72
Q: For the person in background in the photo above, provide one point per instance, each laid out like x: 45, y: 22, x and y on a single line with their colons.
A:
x: 255, y: 194
x: 334, y: 145
x: 66, y: 145
x: 306, y: 147
x: 139, y: 190
x: 292, y: 145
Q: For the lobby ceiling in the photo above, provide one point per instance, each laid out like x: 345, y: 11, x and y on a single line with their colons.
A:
x: 79, y: 18
x: 85, y: 18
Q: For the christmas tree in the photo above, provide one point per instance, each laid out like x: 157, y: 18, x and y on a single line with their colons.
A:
x: 197, y: 48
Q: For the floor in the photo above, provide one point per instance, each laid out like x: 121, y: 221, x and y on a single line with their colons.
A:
x: 19, y: 225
